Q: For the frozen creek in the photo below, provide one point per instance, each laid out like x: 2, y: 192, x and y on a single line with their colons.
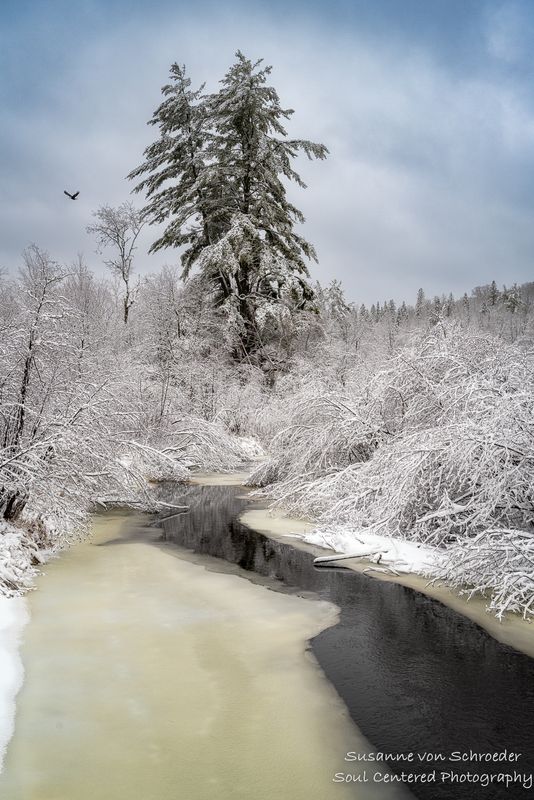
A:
x: 149, y: 676
x: 160, y: 664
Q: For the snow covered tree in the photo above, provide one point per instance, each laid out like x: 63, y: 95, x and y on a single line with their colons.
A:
x: 511, y: 298
x: 402, y: 313
x: 119, y: 229
x: 92, y: 311
x: 55, y: 435
x: 179, y: 185
x: 493, y: 294
x: 420, y: 303
x: 333, y: 301
x: 466, y: 306
x: 218, y: 174
x: 35, y: 317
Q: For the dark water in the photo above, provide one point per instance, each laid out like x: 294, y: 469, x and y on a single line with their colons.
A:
x: 416, y: 676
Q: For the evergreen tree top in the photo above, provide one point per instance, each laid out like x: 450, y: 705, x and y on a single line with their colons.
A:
x: 217, y: 178
x: 223, y: 154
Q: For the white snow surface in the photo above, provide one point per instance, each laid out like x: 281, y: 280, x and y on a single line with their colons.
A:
x: 13, y: 617
x: 251, y: 447
x: 18, y: 552
x: 397, y: 554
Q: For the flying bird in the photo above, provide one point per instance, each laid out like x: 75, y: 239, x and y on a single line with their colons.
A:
x: 72, y: 196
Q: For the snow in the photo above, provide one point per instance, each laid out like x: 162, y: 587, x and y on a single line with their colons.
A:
x: 513, y: 630
x: 251, y: 448
x: 17, y: 551
x: 13, y: 618
x: 397, y: 554
x: 17, y: 554
x: 429, y: 444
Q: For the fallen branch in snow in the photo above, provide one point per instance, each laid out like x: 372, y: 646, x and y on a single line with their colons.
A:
x: 329, y: 559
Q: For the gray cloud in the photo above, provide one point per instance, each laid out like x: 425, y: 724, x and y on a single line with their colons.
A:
x: 429, y: 181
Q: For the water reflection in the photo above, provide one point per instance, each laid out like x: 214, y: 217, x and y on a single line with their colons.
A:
x: 415, y: 675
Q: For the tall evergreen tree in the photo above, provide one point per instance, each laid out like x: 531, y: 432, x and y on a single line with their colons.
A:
x: 419, y: 303
x: 493, y: 293
x: 217, y: 174
x: 466, y: 306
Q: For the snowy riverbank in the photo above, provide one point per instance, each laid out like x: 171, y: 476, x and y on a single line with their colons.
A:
x: 18, y: 555
x: 410, y: 564
x: 13, y: 618
x: 387, y: 552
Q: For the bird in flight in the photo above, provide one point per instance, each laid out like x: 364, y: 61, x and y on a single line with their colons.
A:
x: 72, y: 196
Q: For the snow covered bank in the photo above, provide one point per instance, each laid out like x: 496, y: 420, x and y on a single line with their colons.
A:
x: 13, y: 618
x: 57, y: 509
x: 17, y: 557
x: 393, y: 554
x: 433, y: 451
x: 511, y: 629
x: 18, y: 554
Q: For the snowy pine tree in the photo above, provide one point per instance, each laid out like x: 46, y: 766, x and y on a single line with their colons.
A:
x: 493, y: 294
x: 419, y: 303
x: 511, y: 298
x: 217, y: 173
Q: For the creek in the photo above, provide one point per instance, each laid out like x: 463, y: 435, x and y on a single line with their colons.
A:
x: 195, y: 657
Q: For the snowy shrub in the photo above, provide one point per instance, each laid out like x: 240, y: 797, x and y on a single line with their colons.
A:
x: 327, y: 433
x: 438, y: 448
x: 497, y: 562
x: 207, y: 446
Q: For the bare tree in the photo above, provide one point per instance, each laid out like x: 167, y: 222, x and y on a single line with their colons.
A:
x: 118, y: 229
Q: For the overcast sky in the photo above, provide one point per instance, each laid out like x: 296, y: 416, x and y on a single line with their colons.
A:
x: 426, y: 106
